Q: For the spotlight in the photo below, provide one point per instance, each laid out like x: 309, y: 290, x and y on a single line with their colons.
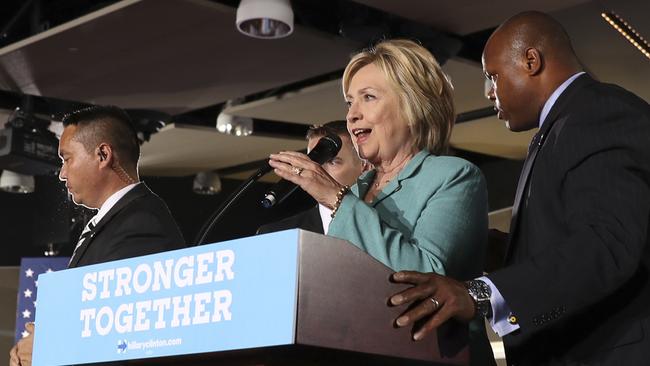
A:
x: 233, y: 125
x: 13, y: 182
x: 51, y: 250
x: 265, y: 19
x: 207, y: 183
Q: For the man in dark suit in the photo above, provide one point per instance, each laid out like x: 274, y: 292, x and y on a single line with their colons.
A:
x: 575, y: 289
x: 345, y: 167
x: 100, y: 151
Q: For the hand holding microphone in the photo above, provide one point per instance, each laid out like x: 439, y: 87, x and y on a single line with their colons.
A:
x: 302, y: 170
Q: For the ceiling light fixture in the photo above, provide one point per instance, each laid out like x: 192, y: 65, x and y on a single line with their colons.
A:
x: 207, y: 183
x: 13, y: 182
x: 265, y: 19
x: 627, y: 31
x: 233, y: 125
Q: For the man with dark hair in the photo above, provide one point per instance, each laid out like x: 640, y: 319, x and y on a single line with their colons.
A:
x: 575, y: 289
x: 100, y: 152
x: 345, y: 167
x: 108, y: 124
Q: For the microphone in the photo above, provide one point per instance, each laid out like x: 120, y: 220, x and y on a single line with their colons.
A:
x: 326, y: 148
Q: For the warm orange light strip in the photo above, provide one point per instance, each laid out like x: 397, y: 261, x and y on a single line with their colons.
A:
x: 628, y: 32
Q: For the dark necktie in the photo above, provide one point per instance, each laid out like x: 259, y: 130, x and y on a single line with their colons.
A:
x: 82, y: 238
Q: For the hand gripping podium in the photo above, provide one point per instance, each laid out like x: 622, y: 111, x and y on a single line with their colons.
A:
x: 287, y: 298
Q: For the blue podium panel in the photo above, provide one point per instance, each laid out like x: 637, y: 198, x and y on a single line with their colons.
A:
x: 227, y: 296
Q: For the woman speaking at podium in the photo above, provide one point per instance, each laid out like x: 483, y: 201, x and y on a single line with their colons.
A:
x: 418, y: 209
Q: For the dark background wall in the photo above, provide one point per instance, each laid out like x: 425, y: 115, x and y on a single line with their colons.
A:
x: 29, y: 223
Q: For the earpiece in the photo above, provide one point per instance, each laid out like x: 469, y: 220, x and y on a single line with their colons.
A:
x: 102, y: 155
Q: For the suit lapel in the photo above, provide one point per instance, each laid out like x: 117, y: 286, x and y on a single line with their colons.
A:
x: 138, y: 191
x: 536, y: 145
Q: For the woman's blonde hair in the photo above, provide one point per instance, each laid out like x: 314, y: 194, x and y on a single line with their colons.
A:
x: 425, y: 92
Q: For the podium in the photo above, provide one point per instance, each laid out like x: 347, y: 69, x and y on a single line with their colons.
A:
x: 286, y: 298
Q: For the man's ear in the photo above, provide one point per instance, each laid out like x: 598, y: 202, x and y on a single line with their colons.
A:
x: 533, y: 61
x: 105, y: 153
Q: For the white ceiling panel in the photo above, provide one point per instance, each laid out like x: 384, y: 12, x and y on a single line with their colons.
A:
x: 312, y: 105
x: 179, y: 55
x: 179, y: 150
x: 490, y: 136
x: 172, y: 56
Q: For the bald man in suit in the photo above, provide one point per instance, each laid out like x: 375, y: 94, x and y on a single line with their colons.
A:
x: 575, y: 289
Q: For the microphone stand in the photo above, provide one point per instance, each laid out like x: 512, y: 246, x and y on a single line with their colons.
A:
x: 216, y: 216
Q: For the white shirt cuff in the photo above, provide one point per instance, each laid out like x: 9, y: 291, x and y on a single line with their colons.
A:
x: 500, y: 311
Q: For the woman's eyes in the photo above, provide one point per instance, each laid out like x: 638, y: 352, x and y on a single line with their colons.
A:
x: 366, y: 97
x: 334, y: 162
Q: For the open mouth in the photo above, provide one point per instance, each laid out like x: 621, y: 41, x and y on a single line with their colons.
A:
x: 361, y: 133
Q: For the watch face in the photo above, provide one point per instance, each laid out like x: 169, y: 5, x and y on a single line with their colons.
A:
x: 479, y: 290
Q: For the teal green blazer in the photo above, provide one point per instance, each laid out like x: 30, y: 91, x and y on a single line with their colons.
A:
x: 431, y: 218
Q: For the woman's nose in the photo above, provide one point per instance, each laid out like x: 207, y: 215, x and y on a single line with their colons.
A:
x: 353, y: 114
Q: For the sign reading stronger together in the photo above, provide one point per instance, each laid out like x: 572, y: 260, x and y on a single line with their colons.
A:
x: 161, y: 312
x: 232, y: 295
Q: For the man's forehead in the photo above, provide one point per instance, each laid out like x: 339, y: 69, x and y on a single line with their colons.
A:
x: 67, y: 141
x: 62, y: 148
x: 488, y: 50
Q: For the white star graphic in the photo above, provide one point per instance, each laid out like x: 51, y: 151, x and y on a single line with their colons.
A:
x: 24, y: 333
x: 34, y: 304
x: 28, y: 293
x: 29, y: 272
x: 36, y: 283
x: 49, y: 270
x: 27, y: 314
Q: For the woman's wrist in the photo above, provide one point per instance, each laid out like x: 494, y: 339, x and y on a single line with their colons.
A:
x: 339, y: 198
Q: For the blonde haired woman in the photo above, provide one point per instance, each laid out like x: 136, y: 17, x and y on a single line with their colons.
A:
x: 417, y: 210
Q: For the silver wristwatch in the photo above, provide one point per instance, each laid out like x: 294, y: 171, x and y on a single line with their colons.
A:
x: 480, y: 292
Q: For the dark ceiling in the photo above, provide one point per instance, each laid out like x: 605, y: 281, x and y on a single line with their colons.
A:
x: 339, y: 18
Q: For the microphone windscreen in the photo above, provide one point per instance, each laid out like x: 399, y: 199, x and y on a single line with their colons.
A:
x: 326, y: 148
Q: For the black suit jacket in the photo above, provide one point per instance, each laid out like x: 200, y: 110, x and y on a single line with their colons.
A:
x: 140, y: 223
x: 578, y: 264
x: 307, y: 220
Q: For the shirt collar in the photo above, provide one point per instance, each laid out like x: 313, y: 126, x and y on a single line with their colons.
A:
x: 556, y: 94
x: 110, y: 202
x: 325, y: 217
